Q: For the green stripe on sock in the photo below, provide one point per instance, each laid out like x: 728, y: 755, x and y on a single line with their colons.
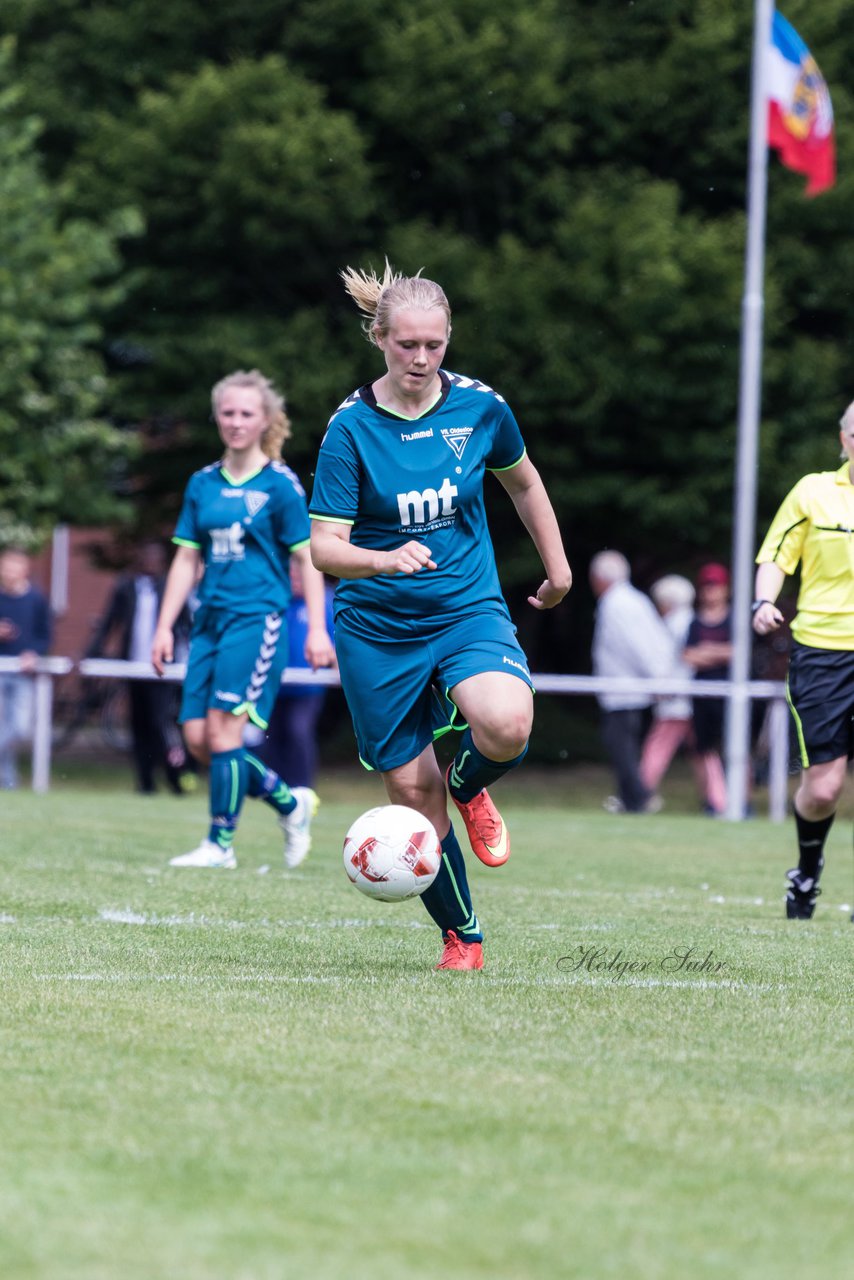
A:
x: 471, y: 925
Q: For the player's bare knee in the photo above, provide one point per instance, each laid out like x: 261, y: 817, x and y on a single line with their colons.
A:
x: 413, y: 795
x: 505, y: 737
x: 426, y: 797
x: 821, y: 795
x: 200, y: 753
x: 195, y: 738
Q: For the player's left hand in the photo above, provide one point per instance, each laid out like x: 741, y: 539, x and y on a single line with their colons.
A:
x: 162, y: 648
x: 319, y: 650
x: 548, y: 595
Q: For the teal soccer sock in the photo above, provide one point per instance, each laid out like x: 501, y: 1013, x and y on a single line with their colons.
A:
x: 448, y: 899
x: 228, y: 779
x: 265, y: 784
x: 471, y: 771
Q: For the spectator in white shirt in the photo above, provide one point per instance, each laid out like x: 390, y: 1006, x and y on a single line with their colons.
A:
x: 629, y: 640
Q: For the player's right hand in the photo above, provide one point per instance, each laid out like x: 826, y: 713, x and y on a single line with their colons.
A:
x: 162, y: 649
x: 767, y: 618
x: 409, y: 558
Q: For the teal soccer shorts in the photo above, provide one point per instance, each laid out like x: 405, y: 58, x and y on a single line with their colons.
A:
x: 235, y: 664
x: 397, y: 683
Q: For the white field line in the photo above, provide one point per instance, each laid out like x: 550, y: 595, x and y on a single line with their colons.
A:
x: 701, y: 984
x: 188, y: 979
x: 192, y: 920
x: 339, y: 980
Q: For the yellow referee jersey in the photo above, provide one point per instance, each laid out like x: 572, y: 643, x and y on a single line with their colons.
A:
x: 815, y: 525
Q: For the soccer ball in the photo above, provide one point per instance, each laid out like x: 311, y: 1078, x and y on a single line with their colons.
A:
x: 392, y: 853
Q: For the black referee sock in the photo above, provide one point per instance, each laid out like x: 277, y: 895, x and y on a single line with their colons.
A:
x: 811, y: 838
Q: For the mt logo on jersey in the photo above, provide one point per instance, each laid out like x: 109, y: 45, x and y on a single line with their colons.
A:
x: 428, y: 505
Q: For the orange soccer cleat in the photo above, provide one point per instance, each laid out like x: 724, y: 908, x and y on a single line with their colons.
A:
x: 459, y: 954
x: 488, y: 836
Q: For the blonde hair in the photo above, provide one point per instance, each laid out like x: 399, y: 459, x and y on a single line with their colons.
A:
x: 378, y: 298
x: 278, y: 423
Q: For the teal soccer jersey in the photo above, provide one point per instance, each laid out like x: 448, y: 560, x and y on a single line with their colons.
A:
x: 245, y: 532
x: 396, y: 480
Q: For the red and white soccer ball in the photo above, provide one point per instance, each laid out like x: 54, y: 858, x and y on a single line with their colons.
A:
x: 392, y: 853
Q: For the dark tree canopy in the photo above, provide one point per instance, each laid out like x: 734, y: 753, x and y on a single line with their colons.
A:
x: 572, y: 171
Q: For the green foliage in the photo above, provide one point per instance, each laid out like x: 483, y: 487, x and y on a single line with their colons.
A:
x: 57, y: 452
x: 573, y: 171
x: 244, y: 212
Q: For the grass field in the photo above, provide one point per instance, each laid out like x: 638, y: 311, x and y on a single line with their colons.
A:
x: 258, y: 1074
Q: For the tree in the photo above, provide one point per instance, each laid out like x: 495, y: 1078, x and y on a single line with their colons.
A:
x: 573, y: 171
x: 59, y: 458
x: 249, y: 185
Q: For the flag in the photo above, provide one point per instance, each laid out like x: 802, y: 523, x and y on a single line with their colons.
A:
x: 800, y: 117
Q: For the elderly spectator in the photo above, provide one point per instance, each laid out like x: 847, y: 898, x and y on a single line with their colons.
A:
x: 629, y: 639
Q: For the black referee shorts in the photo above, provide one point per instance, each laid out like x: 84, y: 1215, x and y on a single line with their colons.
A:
x: 820, y: 693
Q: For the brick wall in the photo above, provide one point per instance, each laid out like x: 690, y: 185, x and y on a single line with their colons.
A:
x: 88, y: 589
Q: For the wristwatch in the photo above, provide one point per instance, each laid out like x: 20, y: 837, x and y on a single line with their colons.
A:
x: 757, y: 605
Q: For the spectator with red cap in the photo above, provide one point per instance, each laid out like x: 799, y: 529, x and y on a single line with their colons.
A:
x: 708, y: 649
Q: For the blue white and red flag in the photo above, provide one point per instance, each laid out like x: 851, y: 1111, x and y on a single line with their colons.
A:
x: 800, y: 115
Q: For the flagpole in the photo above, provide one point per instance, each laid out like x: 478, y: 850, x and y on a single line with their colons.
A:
x: 749, y: 400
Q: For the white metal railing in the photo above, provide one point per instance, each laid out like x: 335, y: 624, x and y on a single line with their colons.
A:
x: 43, y: 676
x: 114, y: 669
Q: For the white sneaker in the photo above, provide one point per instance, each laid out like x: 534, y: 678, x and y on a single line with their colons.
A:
x: 296, y: 825
x: 208, y: 854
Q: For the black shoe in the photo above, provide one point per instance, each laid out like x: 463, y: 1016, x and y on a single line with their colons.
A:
x: 801, y: 895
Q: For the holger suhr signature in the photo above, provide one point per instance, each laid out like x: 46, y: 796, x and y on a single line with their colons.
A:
x: 616, y: 964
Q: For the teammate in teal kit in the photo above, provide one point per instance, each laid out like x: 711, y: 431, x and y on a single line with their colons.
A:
x: 242, y: 520
x: 423, y: 635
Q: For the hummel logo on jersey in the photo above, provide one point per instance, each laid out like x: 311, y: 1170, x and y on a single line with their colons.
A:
x: 255, y: 500
x: 474, y: 384
x: 417, y: 435
x: 227, y: 544
x: 430, y: 505
x: 457, y: 438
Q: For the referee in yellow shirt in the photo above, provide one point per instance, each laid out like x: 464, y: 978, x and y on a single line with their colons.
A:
x: 815, y: 526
